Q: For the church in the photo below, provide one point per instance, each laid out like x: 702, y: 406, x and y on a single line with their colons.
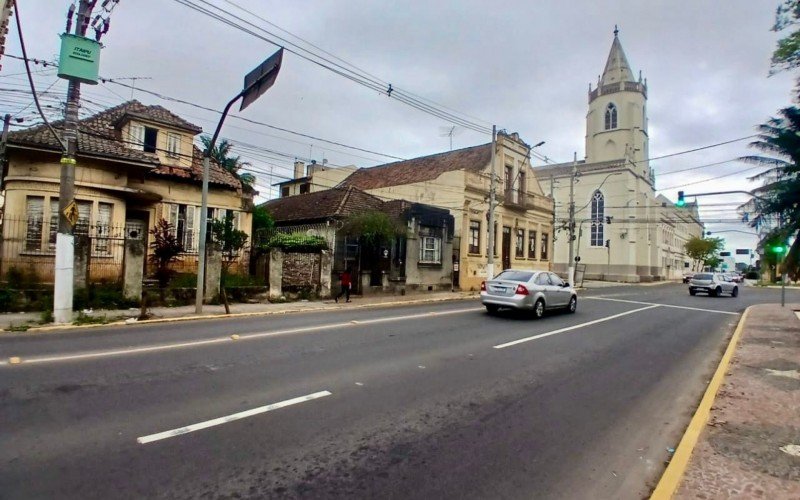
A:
x: 622, y: 230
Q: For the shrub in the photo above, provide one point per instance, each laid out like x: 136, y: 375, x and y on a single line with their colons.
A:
x: 297, y: 242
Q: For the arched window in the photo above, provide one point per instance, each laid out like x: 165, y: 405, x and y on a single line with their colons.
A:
x: 611, y: 116
x: 598, y: 217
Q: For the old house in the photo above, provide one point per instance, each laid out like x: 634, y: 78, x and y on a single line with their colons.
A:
x: 459, y: 181
x: 415, y: 258
x: 136, y: 164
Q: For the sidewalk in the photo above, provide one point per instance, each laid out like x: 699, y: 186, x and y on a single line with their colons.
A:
x: 31, y: 320
x: 749, y: 441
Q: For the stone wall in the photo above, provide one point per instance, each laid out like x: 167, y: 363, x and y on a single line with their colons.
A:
x: 301, y: 271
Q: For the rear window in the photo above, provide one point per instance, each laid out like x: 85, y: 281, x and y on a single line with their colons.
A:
x: 703, y: 276
x: 515, y: 276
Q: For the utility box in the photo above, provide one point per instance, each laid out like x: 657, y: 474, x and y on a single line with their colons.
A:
x: 79, y: 59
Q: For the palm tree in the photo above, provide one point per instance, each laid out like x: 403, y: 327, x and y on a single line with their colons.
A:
x: 779, y: 138
x: 233, y: 164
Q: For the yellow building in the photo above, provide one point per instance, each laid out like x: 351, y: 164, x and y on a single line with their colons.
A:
x: 137, y: 164
x: 460, y: 182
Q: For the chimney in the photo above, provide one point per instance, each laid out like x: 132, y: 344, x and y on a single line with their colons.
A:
x: 299, y: 169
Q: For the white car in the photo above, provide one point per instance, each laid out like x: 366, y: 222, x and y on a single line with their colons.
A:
x: 714, y: 284
x: 535, y: 291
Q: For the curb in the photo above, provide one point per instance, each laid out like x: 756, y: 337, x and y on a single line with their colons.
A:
x: 54, y: 328
x: 672, y: 476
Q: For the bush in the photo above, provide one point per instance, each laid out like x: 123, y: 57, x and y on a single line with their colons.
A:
x: 752, y: 275
x: 101, y: 296
x: 8, y: 300
x: 297, y: 242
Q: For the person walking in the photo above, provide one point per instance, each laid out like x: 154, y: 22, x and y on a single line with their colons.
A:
x: 347, y: 284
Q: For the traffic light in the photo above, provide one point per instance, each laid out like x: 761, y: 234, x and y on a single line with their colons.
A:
x: 608, y: 219
x: 608, y: 243
x: 779, y: 249
x: 681, y: 202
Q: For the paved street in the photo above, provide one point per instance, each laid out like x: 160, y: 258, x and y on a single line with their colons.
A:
x: 422, y: 401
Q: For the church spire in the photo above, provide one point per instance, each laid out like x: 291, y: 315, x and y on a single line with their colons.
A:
x: 617, y: 67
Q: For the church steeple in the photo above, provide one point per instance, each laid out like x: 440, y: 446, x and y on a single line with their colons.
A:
x: 617, y: 67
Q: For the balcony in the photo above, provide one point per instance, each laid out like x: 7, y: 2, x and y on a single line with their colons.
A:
x: 618, y: 87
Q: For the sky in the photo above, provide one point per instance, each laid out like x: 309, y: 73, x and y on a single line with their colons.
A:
x: 524, y: 66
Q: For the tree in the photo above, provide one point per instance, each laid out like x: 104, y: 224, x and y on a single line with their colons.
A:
x: 373, y: 228
x: 230, y: 242
x: 263, y: 224
x: 787, y: 53
x: 221, y: 153
x: 166, y: 250
x: 779, y: 138
x: 703, y: 251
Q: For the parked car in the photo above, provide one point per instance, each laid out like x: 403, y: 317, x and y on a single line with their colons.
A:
x: 536, y: 291
x: 687, y: 277
x: 735, y: 277
x: 714, y: 284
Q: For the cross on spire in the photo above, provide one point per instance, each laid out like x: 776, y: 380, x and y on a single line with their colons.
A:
x: 616, y: 31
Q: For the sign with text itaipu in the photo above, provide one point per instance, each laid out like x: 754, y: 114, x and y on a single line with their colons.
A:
x: 79, y: 59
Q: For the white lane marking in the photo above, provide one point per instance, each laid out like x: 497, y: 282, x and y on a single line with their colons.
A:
x: 230, y: 418
x: 665, y: 305
x: 573, y: 327
x: 195, y: 343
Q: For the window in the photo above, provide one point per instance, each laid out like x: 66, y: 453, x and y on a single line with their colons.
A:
x: 545, y: 246
x: 611, y: 116
x: 136, y: 139
x: 150, y: 140
x: 520, y: 250
x: 542, y: 279
x: 173, y: 145
x: 509, y: 177
x: 531, y: 244
x: 184, y: 227
x: 515, y: 275
x: 430, y: 252
x: 34, y: 207
x: 284, y: 191
x: 521, y: 188
x: 475, y: 236
x: 103, y: 232
x: 598, y: 216
x: 305, y: 188
x: 555, y: 280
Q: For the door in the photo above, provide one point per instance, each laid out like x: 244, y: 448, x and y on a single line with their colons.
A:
x: 506, y: 247
x: 561, y: 293
x: 456, y: 269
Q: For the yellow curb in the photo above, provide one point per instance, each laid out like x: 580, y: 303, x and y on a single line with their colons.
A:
x: 241, y: 315
x: 680, y: 460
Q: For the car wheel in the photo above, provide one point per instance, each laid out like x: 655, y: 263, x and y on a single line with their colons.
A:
x: 491, y: 308
x: 573, y: 304
x: 692, y: 292
x: 735, y: 292
x: 717, y: 292
x: 538, y: 309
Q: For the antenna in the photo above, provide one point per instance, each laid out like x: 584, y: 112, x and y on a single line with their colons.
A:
x: 450, y: 132
x: 133, y: 80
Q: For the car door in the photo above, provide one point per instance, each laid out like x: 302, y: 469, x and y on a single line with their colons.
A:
x: 543, y: 286
x: 559, y: 290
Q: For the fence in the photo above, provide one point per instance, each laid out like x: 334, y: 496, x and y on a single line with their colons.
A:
x: 29, y: 248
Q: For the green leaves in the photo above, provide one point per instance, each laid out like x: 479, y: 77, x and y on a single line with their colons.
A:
x: 373, y: 228
x: 296, y: 242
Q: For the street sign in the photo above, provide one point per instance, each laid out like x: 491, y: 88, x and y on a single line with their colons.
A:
x: 742, y: 251
x: 79, y: 59
x: 724, y: 254
x: 71, y: 213
x: 261, y: 79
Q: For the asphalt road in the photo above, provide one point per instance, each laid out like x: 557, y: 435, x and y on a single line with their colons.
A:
x: 418, y: 401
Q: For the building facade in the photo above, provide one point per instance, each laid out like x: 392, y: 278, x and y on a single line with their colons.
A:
x: 136, y: 164
x: 623, y: 230
x: 459, y: 181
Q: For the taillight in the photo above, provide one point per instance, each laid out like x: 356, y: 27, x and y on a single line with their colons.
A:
x: 521, y: 290
x: 483, y: 286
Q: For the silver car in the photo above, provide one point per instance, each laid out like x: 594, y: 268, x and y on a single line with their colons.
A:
x: 714, y: 284
x: 535, y: 291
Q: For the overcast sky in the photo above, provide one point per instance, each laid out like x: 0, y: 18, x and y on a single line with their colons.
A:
x: 525, y: 66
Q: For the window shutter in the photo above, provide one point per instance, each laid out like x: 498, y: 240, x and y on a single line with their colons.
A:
x: 33, y: 233
x: 136, y: 139
x: 189, y: 235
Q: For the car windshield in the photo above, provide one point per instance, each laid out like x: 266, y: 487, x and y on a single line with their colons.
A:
x: 515, y: 275
x: 703, y: 276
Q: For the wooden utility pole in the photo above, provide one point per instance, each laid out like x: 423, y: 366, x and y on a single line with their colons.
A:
x: 492, y: 188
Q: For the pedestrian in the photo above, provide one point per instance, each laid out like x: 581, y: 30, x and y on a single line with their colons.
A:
x: 347, y: 284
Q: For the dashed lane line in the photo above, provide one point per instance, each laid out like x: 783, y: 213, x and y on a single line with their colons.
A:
x: 573, y: 327
x: 230, y: 418
x: 664, y: 305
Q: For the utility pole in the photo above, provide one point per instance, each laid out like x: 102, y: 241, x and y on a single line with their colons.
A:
x: 65, y: 240
x: 571, y: 263
x: 492, y: 187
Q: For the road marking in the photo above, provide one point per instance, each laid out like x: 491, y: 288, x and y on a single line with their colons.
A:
x: 574, y: 327
x: 230, y: 418
x: 219, y: 340
x: 665, y: 305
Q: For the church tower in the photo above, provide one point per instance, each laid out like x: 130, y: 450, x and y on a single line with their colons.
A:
x: 616, y: 125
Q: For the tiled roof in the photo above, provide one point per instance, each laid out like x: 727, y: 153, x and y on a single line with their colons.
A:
x: 99, y: 136
x: 565, y: 169
x: 335, y: 203
x: 421, y: 169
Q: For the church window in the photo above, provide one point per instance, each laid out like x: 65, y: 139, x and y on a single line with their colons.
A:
x: 611, y: 116
x: 598, y: 216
